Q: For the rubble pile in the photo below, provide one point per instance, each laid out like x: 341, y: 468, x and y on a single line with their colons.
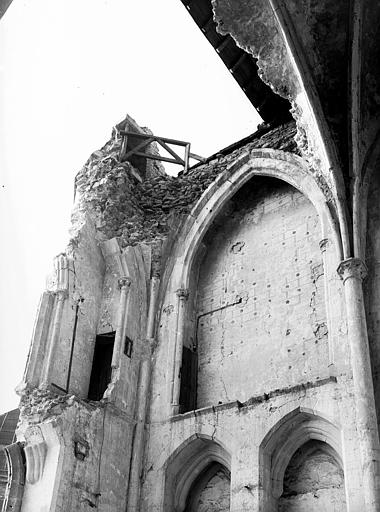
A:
x: 136, y: 210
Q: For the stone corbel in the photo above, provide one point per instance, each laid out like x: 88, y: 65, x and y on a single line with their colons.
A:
x: 35, y: 453
x: 58, y: 282
x: 323, y: 245
x: 62, y: 273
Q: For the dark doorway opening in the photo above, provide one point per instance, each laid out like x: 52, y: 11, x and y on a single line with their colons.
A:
x: 101, y: 365
x: 188, y: 390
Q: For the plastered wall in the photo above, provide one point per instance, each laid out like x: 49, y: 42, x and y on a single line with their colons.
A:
x: 260, y: 315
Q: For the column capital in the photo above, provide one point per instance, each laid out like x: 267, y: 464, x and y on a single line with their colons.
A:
x: 61, y: 294
x: 124, y: 282
x: 183, y: 293
x: 352, y: 267
x: 323, y: 244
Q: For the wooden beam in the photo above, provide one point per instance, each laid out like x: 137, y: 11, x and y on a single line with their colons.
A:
x: 206, y: 26
x: 162, y: 141
x: 222, y: 44
x: 155, y: 137
x: 124, y: 145
x: 187, y: 151
x: 170, y: 150
x: 238, y: 62
x: 159, y: 157
x: 197, y: 157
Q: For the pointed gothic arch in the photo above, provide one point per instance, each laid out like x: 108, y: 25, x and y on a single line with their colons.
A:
x: 283, y: 440
x: 258, y: 162
x: 270, y: 163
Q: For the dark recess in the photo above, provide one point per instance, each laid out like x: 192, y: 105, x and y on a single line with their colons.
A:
x: 101, y: 366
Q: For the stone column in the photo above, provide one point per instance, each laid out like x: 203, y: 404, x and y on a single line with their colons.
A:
x: 352, y: 271
x: 182, y: 295
x: 323, y: 245
x: 142, y: 397
x: 61, y: 293
x: 60, y: 298
x: 124, y: 285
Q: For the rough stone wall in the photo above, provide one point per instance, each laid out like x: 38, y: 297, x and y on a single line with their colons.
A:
x: 215, y: 496
x: 88, y: 453
x: 145, y: 210
x: 261, y: 310
x: 313, y: 482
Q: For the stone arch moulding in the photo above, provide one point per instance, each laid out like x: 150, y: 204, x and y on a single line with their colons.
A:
x: 260, y: 162
x: 186, y: 463
x: 14, y: 489
x: 283, y: 440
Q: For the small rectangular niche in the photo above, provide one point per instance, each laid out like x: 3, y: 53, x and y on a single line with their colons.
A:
x: 101, y: 365
x: 128, y: 347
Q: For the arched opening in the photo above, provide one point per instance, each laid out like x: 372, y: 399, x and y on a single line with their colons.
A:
x: 313, y: 480
x: 257, y: 318
x: 197, y: 477
x: 301, y: 467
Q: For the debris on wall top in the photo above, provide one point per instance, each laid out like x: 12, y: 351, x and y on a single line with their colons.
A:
x: 139, y: 207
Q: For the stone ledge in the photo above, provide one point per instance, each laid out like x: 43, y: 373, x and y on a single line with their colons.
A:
x: 254, y: 400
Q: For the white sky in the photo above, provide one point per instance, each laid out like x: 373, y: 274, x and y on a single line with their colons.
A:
x: 69, y: 71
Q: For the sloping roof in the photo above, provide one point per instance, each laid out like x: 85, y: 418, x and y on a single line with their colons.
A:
x: 4, y: 4
x: 242, y: 65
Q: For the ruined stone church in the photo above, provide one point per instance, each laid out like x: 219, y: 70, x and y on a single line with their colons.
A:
x: 211, y: 341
